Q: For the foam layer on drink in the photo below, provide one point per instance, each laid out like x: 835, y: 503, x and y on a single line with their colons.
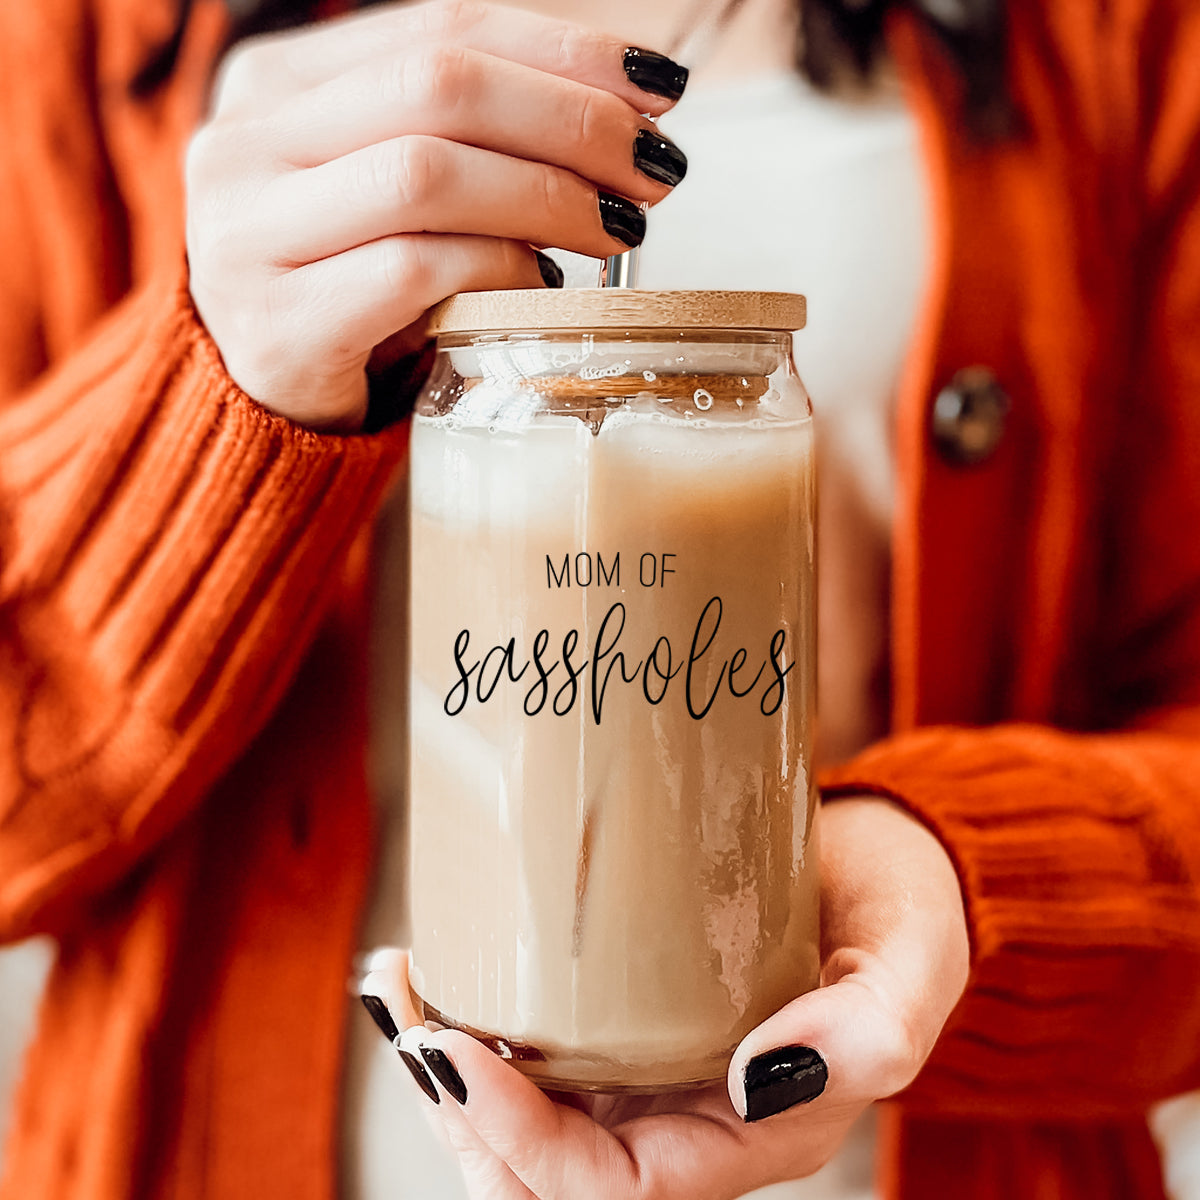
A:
x: 611, y: 805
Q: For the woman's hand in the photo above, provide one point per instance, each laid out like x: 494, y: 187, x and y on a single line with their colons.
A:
x: 894, y: 966
x: 354, y: 173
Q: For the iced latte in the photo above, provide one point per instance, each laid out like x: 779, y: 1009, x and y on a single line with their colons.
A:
x: 612, y: 636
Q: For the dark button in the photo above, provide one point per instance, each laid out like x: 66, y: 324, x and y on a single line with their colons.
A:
x: 968, y: 417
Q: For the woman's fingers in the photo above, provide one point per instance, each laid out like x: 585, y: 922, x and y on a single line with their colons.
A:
x: 268, y: 69
x: 465, y: 96
x: 354, y: 174
x: 302, y: 345
x: 552, y: 1149
x: 701, y: 1150
x: 838, y: 1047
x: 427, y: 185
x: 387, y: 284
x: 389, y: 1000
x: 387, y: 979
x: 515, y: 1142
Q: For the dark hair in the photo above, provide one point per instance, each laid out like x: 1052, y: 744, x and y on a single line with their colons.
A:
x: 838, y: 39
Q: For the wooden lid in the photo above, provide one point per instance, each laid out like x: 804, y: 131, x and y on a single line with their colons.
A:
x: 616, y: 308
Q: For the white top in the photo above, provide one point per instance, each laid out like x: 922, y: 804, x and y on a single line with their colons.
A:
x: 787, y: 190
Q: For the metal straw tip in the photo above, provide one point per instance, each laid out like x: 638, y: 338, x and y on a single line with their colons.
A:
x: 620, y: 271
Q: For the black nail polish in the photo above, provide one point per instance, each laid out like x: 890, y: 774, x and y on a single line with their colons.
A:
x: 552, y: 275
x: 381, y: 1016
x: 658, y: 157
x: 445, y: 1072
x: 781, y: 1078
x: 655, y: 73
x: 413, y: 1063
x: 622, y: 219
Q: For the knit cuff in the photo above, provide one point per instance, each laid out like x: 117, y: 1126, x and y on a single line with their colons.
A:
x: 1076, y: 858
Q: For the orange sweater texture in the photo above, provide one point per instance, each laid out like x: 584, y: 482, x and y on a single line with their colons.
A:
x: 183, y: 802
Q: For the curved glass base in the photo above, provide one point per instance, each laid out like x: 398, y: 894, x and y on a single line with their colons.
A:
x: 575, y: 1071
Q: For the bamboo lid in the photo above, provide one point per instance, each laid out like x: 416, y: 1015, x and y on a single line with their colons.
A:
x: 617, y: 308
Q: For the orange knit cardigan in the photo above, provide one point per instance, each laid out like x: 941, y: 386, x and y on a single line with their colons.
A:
x: 182, y: 576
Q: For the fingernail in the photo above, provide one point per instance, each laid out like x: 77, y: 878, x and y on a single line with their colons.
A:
x: 408, y: 1046
x: 622, y: 219
x: 655, y: 73
x: 782, y: 1078
x: 381, y: 1016
x: 445, y: 1072
x: 418, y: 1072
x: 659, y: 157
x: 552, y: 275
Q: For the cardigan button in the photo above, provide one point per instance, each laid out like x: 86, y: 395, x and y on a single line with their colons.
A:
x: 969, y: 415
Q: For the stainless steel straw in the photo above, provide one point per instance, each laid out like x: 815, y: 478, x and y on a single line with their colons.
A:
x: 706, y: 21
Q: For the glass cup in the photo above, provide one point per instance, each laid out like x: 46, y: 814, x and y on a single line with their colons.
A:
x: 612, y: 666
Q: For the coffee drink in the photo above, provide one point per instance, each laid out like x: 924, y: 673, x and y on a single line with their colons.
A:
x: 612, y: 635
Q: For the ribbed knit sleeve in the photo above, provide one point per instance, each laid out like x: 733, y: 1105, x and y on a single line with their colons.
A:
x: 167, y: 548
x: 1079, y: 859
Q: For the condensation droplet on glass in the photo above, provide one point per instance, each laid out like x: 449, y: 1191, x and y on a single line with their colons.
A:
x: 703, y: 399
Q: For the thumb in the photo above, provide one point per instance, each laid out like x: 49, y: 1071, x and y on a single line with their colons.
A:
x: 837, y: 1048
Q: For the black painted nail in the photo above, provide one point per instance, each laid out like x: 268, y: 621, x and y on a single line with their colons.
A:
x: 622, y: 219
x: 552, y: 275
x: 445, y: 1072
x: 381, y: 1016
x: 659, y: 157
x: 781, y: 1078
x: 655, y: 73
x: 418, y: 1072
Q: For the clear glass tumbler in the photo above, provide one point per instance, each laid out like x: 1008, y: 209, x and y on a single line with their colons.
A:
x: 614, y: 871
